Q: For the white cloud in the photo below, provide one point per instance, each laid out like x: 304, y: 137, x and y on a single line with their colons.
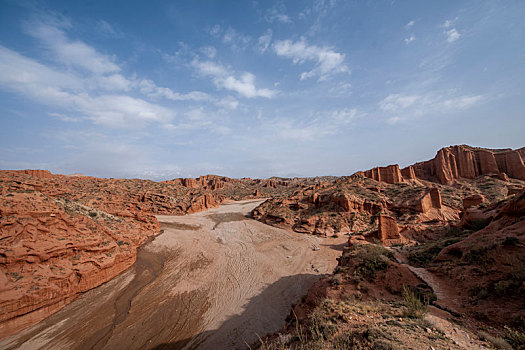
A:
x: 452, y: 35
x: 107, y: 29
x: 462, y: 102
x: 228, y: 102
x: 395, y: 102
x: 209, y: 51
x: 68, y: 91
x: 114, y: 82
x: 148, y: 88
x: 412, y: 106
x: 327, y: 61
x: 230, y: 36
x: 410, y: 39
x: 264, y: 41
x: 449, y: 22
x: 215, y: 30
x: 277, y: 14
x: 223, y: 78
x: 410, y: 24
x: 318, y: 125
x: 72, y: 53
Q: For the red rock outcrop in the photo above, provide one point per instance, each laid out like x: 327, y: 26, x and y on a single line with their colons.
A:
x: 408, y: 173
x: 466, y: 162
x: 511, y: 163
x: 387, y: 230
x: 472, y: 201
x: 431, y: 199
x: 44, y: 174
x: 203, y: 202
x: 389, y: 174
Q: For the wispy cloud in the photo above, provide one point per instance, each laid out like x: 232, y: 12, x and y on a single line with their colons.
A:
x: 224, y: 78
x: 395, y: 102
x: 72, y: 53
x: 318, y: 125
x: 277, y: 14
x: 229, y: 36
x: 410, y: 39
x: 327, y: 61
x: 404, y: 107
x: 452, y: 35
x: 410, y: 24
x: 264, y: 41
x: 209, y: 51
x: 148, y: 87
x: 108, y: 30
x: 78, y: 93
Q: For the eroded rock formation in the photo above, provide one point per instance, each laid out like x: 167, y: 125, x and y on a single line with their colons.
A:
x: 389, y: 174
x: 466, y: 162
x: 455, y: 162
x: 387, y: 228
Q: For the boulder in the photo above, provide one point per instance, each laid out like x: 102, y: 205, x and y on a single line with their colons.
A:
x: 473, y: 201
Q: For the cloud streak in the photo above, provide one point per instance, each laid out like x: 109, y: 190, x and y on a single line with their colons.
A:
x: 224, y: 78
x: 327, y: 61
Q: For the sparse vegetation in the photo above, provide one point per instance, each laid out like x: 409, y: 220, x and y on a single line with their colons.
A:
x: 415, y: 307
x: 368, y: 259
x: 515, y: 338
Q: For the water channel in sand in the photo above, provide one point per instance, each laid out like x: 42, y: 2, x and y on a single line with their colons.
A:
x: 211, y: 280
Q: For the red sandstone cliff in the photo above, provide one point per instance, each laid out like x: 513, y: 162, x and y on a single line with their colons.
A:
x: 456, y: 162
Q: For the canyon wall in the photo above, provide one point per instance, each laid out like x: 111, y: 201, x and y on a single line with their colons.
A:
x: 456, y: 162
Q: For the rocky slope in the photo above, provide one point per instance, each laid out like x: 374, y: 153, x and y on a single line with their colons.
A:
x: 455, y: 228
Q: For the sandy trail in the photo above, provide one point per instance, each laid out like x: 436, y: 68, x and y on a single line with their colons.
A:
x: 211, y: 280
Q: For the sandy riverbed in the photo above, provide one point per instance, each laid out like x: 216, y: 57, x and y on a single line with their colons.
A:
x: 211, y: 280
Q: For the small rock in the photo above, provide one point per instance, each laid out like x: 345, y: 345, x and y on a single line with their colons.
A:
x: 289, y: 257
x: 428, y: 330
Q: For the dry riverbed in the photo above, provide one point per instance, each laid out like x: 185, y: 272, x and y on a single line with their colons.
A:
x: 211, y: 280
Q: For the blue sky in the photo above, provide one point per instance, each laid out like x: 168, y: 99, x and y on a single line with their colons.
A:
x: 163, y: 89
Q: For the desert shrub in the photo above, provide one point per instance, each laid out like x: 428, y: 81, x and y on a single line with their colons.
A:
x: 480, y: 292
x: 320, y: 328
x: 515, y: 338
x: 92, y: 214
x: 421, y: 256
x: 383, y: 344
x: 368, y: 259
x: 511, y: 241
x: 479, y: 255
x: 415, y: 306
x: 497, y: 342
x: 513, y: 283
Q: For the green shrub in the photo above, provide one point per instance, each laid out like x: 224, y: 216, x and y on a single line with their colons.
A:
x: 368, y: 259
x: 415, y: 307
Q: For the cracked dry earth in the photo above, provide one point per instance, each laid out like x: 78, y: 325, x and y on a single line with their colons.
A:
x: 211, y: 280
